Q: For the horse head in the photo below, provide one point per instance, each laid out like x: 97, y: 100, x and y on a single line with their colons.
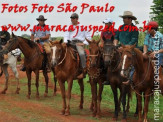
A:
x: 127, y: 59
x: 109, y: 53
x: 94, y: 50
x: 58, y: 48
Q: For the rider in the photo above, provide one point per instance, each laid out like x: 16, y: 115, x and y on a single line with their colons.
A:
x: 153, y: 42
x: 127, y: 37
x: 78, y: 39
x: 41, y: 34
x: 107, y: 35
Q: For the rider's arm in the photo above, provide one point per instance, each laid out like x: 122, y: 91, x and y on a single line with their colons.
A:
x: 45, y: 37
x: 115, y: 42
x: 145, y: 49
x: 32, y: 37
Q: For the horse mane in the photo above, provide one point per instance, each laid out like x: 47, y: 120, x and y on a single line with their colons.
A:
x: 29, y: 42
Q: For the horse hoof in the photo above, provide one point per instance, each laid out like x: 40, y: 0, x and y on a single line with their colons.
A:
x: 54, y: 94
x: 93, y: 115
x: 67, y: 113
x: 135, y: 115
x: 3, y: 92
x: 114, y: 119
x: 123, y: 120
x: 98, y: 116
x: 62, y: 112
x: 80, y: 107
x: 37, y: 97
x: 17, y: 91
x: 28, y: 96
x: 45, y: 94
x: 145, y: 120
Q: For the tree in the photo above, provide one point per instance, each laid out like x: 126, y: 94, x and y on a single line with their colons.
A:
x: 157, y: 12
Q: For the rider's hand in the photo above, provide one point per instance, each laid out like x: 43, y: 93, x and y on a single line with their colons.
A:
x: 37, y: 39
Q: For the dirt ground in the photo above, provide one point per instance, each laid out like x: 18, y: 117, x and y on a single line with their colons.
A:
x: 17, y: 108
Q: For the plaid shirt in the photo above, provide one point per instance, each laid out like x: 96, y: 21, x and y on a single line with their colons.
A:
x: 154, y: 43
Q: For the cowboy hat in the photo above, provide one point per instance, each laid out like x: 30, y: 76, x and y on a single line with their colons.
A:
x: 41, y: 17
x: 128, y: 14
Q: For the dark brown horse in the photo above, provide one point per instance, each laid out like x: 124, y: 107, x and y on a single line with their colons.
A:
x: 143, y: 79
x: 112, y: 57
x: 66, y: 69
x: 96, y: 76
x: 33, y: 60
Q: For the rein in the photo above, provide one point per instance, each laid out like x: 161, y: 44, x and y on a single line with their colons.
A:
x: 63, y: 58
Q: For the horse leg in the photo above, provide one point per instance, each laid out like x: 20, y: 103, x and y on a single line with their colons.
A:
x: 55, y: 83
x: 15, y: 71
x: 37, y: 83
x: 114, y: 89
x: 46, y: 81
x: 146, y: 103
x: 139, y: 107
x: 124, y: 103
x: 91, y: 106
x: 28, y: 72
x: 70, y: 83
x: 94, y: 98
x: 119, y: 101
x: 62, y: 87
x: 81, y: 84
x: 99, y: 100
x: 136, y: 112
x: 4, y: 68
x: 128, y: 103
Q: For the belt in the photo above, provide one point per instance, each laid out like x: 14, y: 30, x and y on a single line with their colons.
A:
x: 77, y: 41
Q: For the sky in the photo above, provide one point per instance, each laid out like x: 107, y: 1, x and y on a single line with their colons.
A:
x: 140, y: 9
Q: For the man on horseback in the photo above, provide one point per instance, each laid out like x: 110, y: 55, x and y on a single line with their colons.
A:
x: 40, y: 34
x: 107, y: 36
x: 153, y: 43
x: 78, y: 39
x: 127, y: 36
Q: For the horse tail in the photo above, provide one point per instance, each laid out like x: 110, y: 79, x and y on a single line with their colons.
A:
x: 1, y: 72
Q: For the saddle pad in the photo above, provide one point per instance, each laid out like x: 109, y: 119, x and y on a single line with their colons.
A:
x: 40, y: 47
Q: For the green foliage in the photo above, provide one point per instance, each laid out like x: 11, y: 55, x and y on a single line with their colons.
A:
x: 157, y: 11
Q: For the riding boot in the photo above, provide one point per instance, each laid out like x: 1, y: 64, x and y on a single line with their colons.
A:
x: 83, y: 74
x: 48, y: 64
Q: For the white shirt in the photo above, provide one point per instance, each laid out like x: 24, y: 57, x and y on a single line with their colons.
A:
x: 81, y: 35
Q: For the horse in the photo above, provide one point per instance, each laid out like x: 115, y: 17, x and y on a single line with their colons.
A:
x: 11, y: 62
x: 143, y: 79
x: 112, y: 57
x: 33, y: 60
x: 96, y: 76
x: 66, y: 68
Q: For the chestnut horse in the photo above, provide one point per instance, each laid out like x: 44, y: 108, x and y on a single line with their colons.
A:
x: 112, y: 57
x: 143, y: 79
x: 66, y: 69
x: 33, y: 60
x: 96, y: 75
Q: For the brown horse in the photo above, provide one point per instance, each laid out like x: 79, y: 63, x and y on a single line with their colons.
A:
x: 33, y: 60
x: 143, y: 79
x: 96, y: 75
x: 112, y: 57
x: 66, y: 69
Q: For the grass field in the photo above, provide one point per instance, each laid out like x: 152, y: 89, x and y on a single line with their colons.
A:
x: 48, y: 109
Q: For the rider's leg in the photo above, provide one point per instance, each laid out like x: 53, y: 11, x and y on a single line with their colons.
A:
x: 81, y: 52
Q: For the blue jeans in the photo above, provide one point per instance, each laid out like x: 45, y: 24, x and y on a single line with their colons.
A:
x: 160, y: 59
x: 131, y: 73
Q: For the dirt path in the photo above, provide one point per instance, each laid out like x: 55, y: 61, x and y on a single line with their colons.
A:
x: 17, y: 108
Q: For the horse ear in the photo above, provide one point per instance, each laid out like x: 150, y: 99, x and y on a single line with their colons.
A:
x: 87, y: 40
x: 61, y: 41
x: 133, y: 46
x: 13, y: 34
x: 123, y: 45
